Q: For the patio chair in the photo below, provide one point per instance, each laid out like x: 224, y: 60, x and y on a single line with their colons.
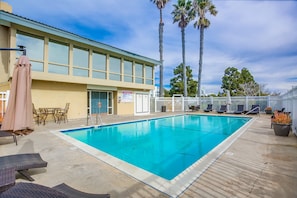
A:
x: 8, y: 189
x: 194, y: 107
x: 40, y: 115
x: 73, y: 193
x: 23, y: 162
x: 62, y: 113
x: 254, y: 110
x: 240, y: 109
x: 222, y: 109
x: 209, y: 108
x: 7, y: 178
x: 31, y: 190
x: 9, y: 134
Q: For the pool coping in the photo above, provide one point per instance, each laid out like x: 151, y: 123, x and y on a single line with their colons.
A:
x: 172, y: 187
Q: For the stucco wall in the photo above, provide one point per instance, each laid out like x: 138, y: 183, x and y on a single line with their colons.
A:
x: 54, y: 94
x: 3, y: 54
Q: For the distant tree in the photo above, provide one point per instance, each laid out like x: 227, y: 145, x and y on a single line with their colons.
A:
x: 160, y: 5
x: 177, y: 85
x: 250, y: 89
x: 183, y: 13
x: 239, y: 82
x: 231, y: 81
x: 267, y: 92
x: 166, y: 93
x: 202, y: 7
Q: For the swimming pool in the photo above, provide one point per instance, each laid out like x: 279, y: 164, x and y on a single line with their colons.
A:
x: 166, y: 146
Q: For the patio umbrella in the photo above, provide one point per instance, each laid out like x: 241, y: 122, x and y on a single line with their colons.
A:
x: 18, y: 117
x: 228, y: 100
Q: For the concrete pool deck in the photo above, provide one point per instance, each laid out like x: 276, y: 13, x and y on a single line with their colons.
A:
x: 257, y: 164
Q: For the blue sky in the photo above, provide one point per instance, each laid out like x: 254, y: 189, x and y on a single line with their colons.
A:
x: 259, y: 35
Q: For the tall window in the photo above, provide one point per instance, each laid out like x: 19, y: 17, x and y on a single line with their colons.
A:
x: 128, y: 71
x: 80, y: 62
x: 114, y: 68
x: 99, y: 65
x: 149, y: 75
x: 58, y: 57
x: 139, y: 73
x: 34, y: 48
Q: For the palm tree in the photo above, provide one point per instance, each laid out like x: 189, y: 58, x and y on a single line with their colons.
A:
x: 160, y: 5
x: 183, y: 13
x: 201, y: 7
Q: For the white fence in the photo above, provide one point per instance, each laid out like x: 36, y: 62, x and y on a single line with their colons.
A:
x: 176, y: 104
x: 289, y: 101
x: 3, y: 102
x: 180, y: 104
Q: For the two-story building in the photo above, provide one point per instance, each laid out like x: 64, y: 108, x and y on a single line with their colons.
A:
x: 69, y: 68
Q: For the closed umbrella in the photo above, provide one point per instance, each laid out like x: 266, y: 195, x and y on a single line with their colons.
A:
x: 18, y: 117
x: 228, y: 101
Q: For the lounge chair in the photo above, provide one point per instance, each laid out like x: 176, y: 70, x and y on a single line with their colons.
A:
x: 23, y: 162
x: 8, y: 189
x: 254, y: 110
x: 31, y: 190
x: 194, y: 108
x: 9, y: 134
x: 222, y: 109
x: 209, y: 108
x: 7, y: 178
x: 73, y: 193
x: 240, y: 109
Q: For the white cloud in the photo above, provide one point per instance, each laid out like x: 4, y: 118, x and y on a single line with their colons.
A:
x: 258, y: 35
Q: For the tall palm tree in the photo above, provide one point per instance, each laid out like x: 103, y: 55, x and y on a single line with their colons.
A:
x: 201, y: 7
x: 160, y: 5
x: 183, y: 13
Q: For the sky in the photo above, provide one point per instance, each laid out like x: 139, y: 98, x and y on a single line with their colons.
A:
x: 259, y: 35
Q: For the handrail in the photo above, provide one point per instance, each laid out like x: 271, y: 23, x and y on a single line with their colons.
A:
x: 258, y: 107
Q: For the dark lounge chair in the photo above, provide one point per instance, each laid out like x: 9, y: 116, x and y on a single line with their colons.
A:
x: 23, y: 162
x: 254, y: 110
x: 194, y: 108
x: 222, y: 109
x: 8, y: 134
x: 240, y: 109
x: 209, y: 108
x: 8, y: 189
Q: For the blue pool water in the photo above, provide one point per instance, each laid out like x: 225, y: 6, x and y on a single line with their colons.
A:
x: 165, y: 146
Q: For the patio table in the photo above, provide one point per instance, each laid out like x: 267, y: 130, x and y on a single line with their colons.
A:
x: 50, y: 111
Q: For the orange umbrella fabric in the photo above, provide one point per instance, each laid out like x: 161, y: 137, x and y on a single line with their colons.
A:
x: 18, y: 117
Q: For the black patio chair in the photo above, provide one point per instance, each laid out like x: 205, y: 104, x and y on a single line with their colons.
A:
x: 209, y: 108
x: 9, y: 134
x: 8, y: 189
x: 23, y: 162
x: 222, y: 109
x: 240, y: 109
x: 254, y: 110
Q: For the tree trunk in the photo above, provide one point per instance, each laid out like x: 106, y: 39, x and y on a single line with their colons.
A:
x: 161, y: 91
x: 200, y: 60
x: 184, y: 63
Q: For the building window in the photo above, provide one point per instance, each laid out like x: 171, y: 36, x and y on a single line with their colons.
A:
x: 128, y: 71
x: 149, y: 75
x: 80, y: 62
x: 58, y: 57
x: 138, y: 73
x: 99, y: 65
x: 34, y: 48
x: 114, y: 69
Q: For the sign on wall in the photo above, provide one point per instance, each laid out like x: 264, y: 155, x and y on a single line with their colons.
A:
x: 127, y: 96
